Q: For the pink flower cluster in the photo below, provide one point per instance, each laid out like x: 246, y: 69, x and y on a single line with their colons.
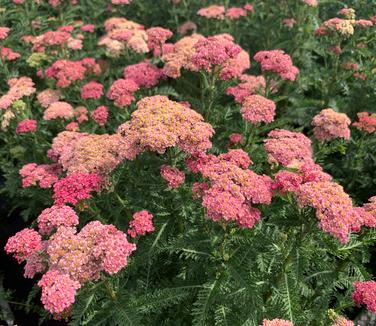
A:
x: 76, y: 187
x: 157, y: 37
x: 100, y: 115
x: 26, y: 126
x: 366, y: 122
x: 58, y: 110
x: 18, y: 88
x: 88, y: 153
x: 48, y: 96
x: 144, y: 74
x: 214, y: 51
x: 249, y: 85
x: 92, y: 90
x: 277, y: 322
x: 287, y: 147
x: 4, y: 31
x: 121, y: 92
x: 70, y: 258
x: 58, y: 291
x: 141, y: 224
x: 256, y: 108
x: 277, y: 61
x: 172, y: 175
x: 66, y: 72
x: 159, y: 123
x: 23, y: 244
x: 365, y: 293
x: 342, y: 321
x: 45, y: 175
x: 55, y: 216
x: 233, y: 187
x: 8, y: 54
x: 334, y: 208
x: 329, y: 124
x: 219, y: 12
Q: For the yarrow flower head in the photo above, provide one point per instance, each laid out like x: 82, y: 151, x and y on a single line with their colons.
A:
x: 4, y: 31
x: 249, y: 85
x: 287, y: 181
x: 234, y: 13
x: 26, y: 126
x: 18, y: 88
x: 23, y: 244
x: 92, y: 90
x: 172, y: 175
x: 58, y: 110
x: 333, y: 206
x: 100, y: 115
x: 141, y: 224
x: 233, y: 187
x: 212, y: 12
x: 236, y: 138
x: 76, y: 187
x: 44, y: 175
x: 366, y: 122
x: 144, y: 74
x: 365, y: 293
x: 287, y: 147
x: 279, y: 62
x: 256, y: 108
x: 329, y: 124
x: 55, y: 216
x: 121, y: 92
x: 58, y: 291
x: 47, y: 97
x: 311, y: 3
x: 156, y: 37
x: 342, y: 27
x: 277, y: 322
x: 159, y: 123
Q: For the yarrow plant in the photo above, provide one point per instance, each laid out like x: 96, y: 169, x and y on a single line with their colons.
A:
x: 179, y: 164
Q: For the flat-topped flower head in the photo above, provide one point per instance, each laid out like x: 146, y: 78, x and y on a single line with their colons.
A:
x: 100, y: 115
x: 144, y: 74
x: 76, y: 187
x: 172, y: 175
x: 48, y: 96
x: 365, y: 293
x: 329, y: 124
x: 23, y: 244
x: 44, y: 175
x: 92, y: 90
x: 256, y: 108
x: 55, y: 216
x: 212, y: 12
x: 121, y: 92
x: 249, y: 85
x: 141, y: 223
x: 159, y: 123
x: 366, y: 122
x: 277, y: 322
x: 58, y: 110
x: 287, y: 147
x: 26, y: 126
x: 279, y: 62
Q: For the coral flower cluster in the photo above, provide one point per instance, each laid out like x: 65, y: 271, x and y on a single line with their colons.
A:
x: 233, y: 187
x: 18, y: 88
x: 172, y: 175
x: 277, y: 322
x: 366, y: 122
x: 277, y: 61
x: 141, y: 224
x: 68, y: 258
x: 365, y: 293
x: 329, y: 124
x: 44, y: 175
x: 249, y: 85
x: 256, y: 108
x: 159, y: 123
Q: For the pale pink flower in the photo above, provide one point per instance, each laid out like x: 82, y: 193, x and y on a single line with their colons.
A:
x: 140, y: 224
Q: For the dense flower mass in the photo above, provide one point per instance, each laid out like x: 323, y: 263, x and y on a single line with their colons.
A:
x: 55, y: 216
x: 58, y: 110
x: 277, y: 322
x: 159, y: 123
x: 172, y: 175
x: 121, y: 92
x: 76, y: 187
x: 58, y: 291
x: 256, y: 108
x: 329, y: 124
x: 334, y: 208
x: 365, y: 293
x: 277, y: 61
x: 23, y: 244
x: 26, y: 126
x: 366, y: 122
x: 234, y: 188
x: 213, y: 11
x: 141, y: 224
x: 18, y: 88
x: 287, y: 147
x: 92, y: 90
x: 44, y: 175
x: 249, y: 85
x: 100, y: 115
x: 144, y: 74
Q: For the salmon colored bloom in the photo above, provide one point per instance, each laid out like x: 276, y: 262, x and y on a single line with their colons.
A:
x: 141, y: 224
x: 329, y: 124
